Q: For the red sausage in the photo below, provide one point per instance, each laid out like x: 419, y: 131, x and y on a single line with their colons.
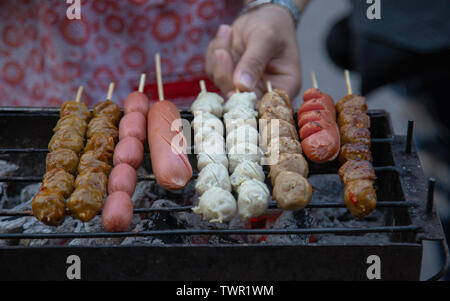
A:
x: 123, y: 177
x: 318, y: 129
x: 136, y: 102
x: 129, y: 150
x: 117, y: 213
x: 133, y: 124
x: 169, y: 161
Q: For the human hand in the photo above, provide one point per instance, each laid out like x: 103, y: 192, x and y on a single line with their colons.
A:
x: 259, y: 46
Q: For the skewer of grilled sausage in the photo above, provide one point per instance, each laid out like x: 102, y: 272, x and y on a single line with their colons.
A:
x: 167, y: 144
x: 48, y: 204
x: 288, y: 174
x: 317, y: 122
x: 90, y: 185
x: 356, y: 173
x: 128, y: 156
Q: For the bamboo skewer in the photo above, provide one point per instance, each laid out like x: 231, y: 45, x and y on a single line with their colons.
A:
x: 159, y: 77
x: 203, y: 86
x: 79, y: 93
x: 110, y: 91
x: 348, y: 82
x: 269, y: 86
x: 142, y: 83
x: 314, y: 80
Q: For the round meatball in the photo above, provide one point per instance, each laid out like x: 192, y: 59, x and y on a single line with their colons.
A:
x: 213, y: 143
x: 244, y: 151
x: 109, y: 109
x: 93, y: 162
x: 289, y: 162
x: 360, y: 197
x: 59, y: 181
x: 292, y: 191
x: 216, y: 205
x: 213, y: 175
x: 66, y: 138
x: 242, y: 134
x: 208, y: 102
x: 72, y: 122
x: 244, y: 99
x: 284, y: 145
x: 253, y: 199
x: 102, y: 124
x: 246, y: 170
x: 356, y: 170
x: 96, y: 180
x: 203, y: 159
x: 278, y: 112
x: 355, y: 151
x: 204, y: 122
x: 49, y: 207
x: 273, y: 128
x: 78, y: 109
x: 85, y: 203
x: 274, y: 98
x: 240, y: 112
x: 100, y: 142
x: 63, y: 158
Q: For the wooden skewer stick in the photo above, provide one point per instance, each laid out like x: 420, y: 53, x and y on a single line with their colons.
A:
x: 142, y: 83
x: 269, y: 86
x: 79, y: 93
x: 159, y: 77
x: 203, y: 86
x: 314, y: 80
x: 110, y: 91
x: 348, y: 82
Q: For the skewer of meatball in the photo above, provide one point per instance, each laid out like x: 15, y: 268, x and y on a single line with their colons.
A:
x: 288, y: 167
x: 117, y: 213
x: 49, y: 205
x: 216, y: 203
x: 356, y: 173
x: 90, y: 185
x: 244, y: 154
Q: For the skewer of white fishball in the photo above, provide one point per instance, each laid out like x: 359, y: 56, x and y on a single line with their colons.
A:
x: 244, y: 155
x: 216, y: 203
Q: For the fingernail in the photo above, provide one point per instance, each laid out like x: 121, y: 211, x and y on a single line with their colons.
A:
x: 246, y: 80
x: 223, y: 31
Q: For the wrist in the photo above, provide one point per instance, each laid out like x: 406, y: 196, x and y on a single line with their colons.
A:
x: 293, y: 7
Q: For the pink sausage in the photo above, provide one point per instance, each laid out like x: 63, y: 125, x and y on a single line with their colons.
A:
x: 133, y: 125
x: 129, y: 150
x: 117, y: 213
x: 123, y: 177
x: 136, y: 102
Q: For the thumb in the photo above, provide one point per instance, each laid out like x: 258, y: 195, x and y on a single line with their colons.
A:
x: 252, y: 64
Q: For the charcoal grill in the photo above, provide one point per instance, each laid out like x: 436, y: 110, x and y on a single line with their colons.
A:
x: 404, y: 195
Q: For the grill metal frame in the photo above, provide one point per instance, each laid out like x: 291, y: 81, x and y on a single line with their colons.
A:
x: 417, y: 201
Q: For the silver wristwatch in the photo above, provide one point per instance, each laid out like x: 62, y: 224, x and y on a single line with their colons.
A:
x: 287, y: 4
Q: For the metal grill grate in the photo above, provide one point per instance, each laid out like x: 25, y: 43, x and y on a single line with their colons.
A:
x: 393, y: 154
